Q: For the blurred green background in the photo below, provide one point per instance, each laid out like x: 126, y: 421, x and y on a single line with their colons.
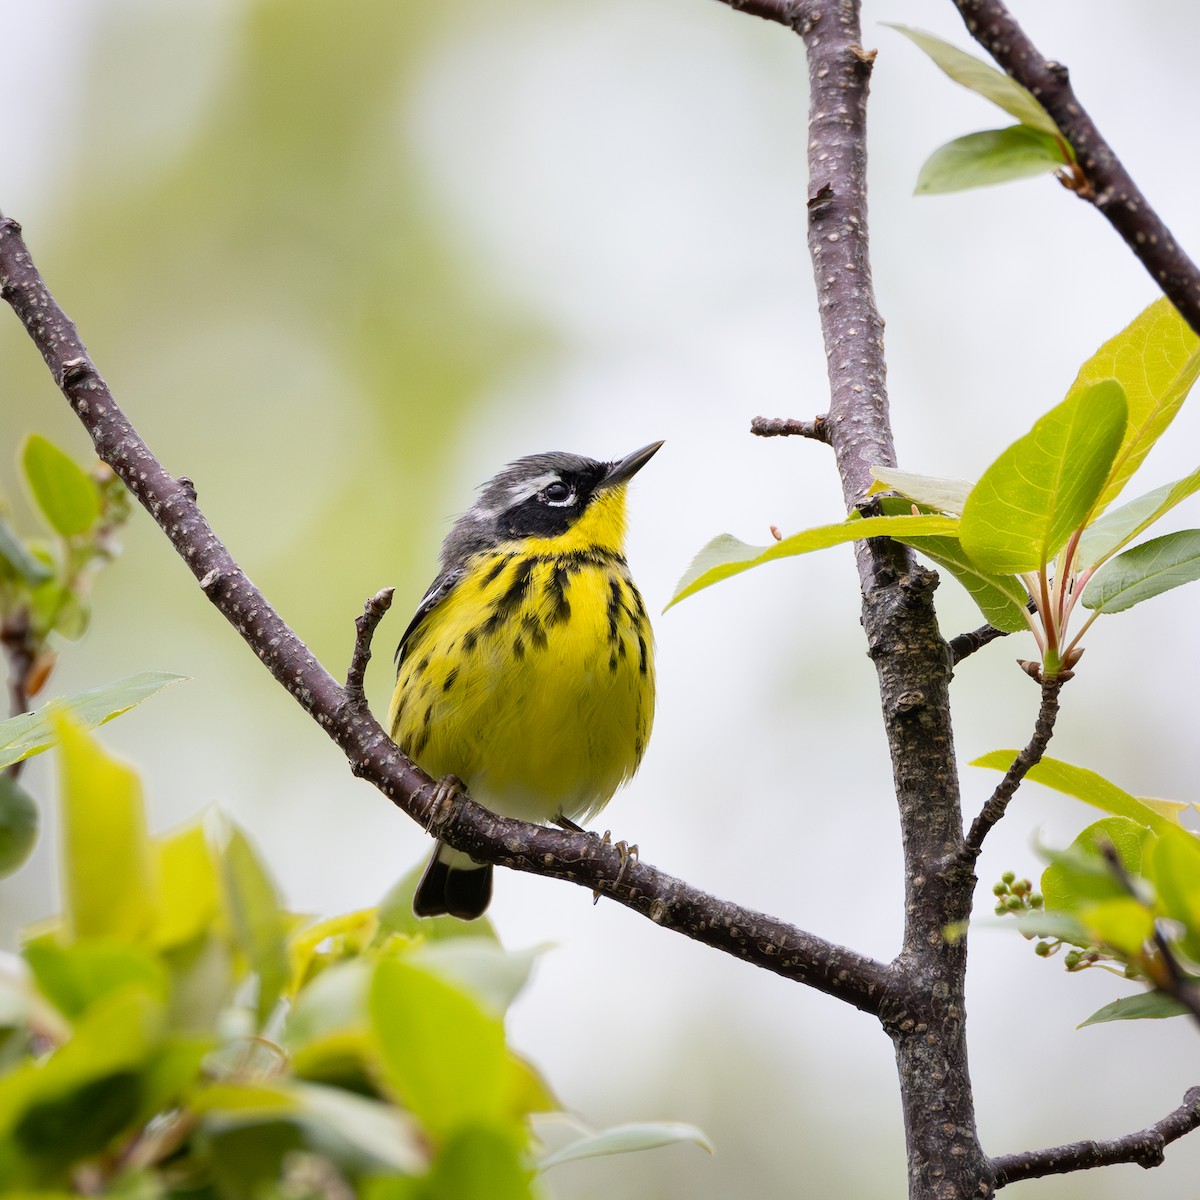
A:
x: 341, y: 262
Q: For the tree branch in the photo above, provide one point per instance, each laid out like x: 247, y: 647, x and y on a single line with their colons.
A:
x: 1111, y: 189
x: 1026, y: 760
x: 787, y: 427
x: 579, y: 857
x: 966, y: 644
x: 1144, y: 1148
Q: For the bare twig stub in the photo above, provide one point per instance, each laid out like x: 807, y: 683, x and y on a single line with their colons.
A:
x: 788, y: 427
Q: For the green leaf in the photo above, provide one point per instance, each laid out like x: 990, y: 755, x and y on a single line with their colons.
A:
x: 18, y: 560
x: 626, y: 1139
x: 73, y: 978
x: 982, y: 78
x: 1081, y: 877
x: 480, y: 1164
x: 989, y: 157
x: 67, y: 496
x: 190, y: 886
x: 31, y: 733
x: 1084, y: 785
x: 1042, y: 488
x: 258, y: 923
x: 1001, y: 598
x: 1174, y: 869
x: 1155, y: 359
x: 1144, y: 571
x: 492, y: 974
x: 441, y: 1052
x: 376, y: 1134
x: 1122, y: 924
x: 108, y: 877
x: 725, y: 555
x: 1107, y: 535
x: 1132, y: 1008
x: 932, y: 491
x: 18, y: 825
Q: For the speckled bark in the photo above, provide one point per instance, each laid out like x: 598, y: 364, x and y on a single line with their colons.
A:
x: 924, y: 1012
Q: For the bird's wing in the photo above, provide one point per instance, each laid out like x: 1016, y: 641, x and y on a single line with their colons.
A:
x: 439, y: 589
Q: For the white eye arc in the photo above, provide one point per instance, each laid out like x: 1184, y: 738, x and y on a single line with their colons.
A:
x: 557, y: 494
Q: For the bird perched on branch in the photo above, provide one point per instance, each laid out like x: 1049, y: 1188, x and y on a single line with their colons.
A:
x: 528, y: 669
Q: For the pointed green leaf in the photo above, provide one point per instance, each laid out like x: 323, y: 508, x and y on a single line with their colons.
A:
x: 66, y: 494
x: 1084, y: 785
x: 258, y: 923
x: 1155, y: 359
x: 934, y: 492
x: 107, y: 866
x: 1122, y: 924
x: 1080, y: 877
x: 443, y: 1055
x: 725, y: 555
x: 190, y: 886
x: 1132, y: 1008
x: 16, y: 557
x: 1042, y: 488
x: 1144, y: 571
x: 982, y: 78
x: 1107, y: 535
x: 31, y: 733
x: 73, y: 978
x: 481, y: 1164
x: 1174, y: 869
x: 18, y: 825
x: 494, y: 975
x: 627, y: 1139
x: 989, y: 157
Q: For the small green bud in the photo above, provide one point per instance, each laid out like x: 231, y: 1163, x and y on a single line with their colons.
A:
x: 1042, y: 949
x: 1009, y: 876
x: 1036, y: 900
x: 999, y: 889
x: 1013, y: 903
x: 1021, y: 887
x: 1001, y: 909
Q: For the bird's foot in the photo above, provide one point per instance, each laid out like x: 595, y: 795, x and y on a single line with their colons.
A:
x: 445, y: 793
x: 628, y: 854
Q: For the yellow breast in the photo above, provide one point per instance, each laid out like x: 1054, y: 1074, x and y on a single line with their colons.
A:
x: 533, y: 681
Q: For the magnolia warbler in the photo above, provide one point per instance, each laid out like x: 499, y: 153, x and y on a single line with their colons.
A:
x: 528, y: 669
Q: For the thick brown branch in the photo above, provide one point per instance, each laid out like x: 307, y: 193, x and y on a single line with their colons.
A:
x: 578, y: 857
x: 1110, y: 187
x: 994, y: 809
x: 1144, y: 1148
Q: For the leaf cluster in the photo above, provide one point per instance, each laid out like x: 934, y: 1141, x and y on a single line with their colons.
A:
x: 1035, y: 537
x: 1124, y: 894
x: 178, y: 1033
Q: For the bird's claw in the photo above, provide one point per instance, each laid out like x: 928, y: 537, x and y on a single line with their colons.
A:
x: 445, y: 792
x: 627, y: 852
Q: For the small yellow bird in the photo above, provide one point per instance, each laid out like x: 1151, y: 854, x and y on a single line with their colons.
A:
x: 528, y: 669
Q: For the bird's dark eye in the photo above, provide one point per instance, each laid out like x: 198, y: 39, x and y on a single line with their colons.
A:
x: 558, y: 493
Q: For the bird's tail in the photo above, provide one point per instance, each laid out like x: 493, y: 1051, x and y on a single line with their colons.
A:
x: 453, y: 883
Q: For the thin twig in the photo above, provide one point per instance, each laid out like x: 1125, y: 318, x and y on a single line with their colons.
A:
x: 1109, y: 186
x: 965, y: 644
x: 579, y: 857
x: 364, y: 631
x: 1144, y: 1148
x: 817, y: 429
x: 1025, y: 761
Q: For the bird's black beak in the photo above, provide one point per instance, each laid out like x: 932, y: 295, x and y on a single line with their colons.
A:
x: 629, y: 466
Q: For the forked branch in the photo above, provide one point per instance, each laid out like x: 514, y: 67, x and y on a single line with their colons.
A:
x: 579, y: 857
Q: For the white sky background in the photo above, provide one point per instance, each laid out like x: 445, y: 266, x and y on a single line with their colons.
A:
x: 632, y: 172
